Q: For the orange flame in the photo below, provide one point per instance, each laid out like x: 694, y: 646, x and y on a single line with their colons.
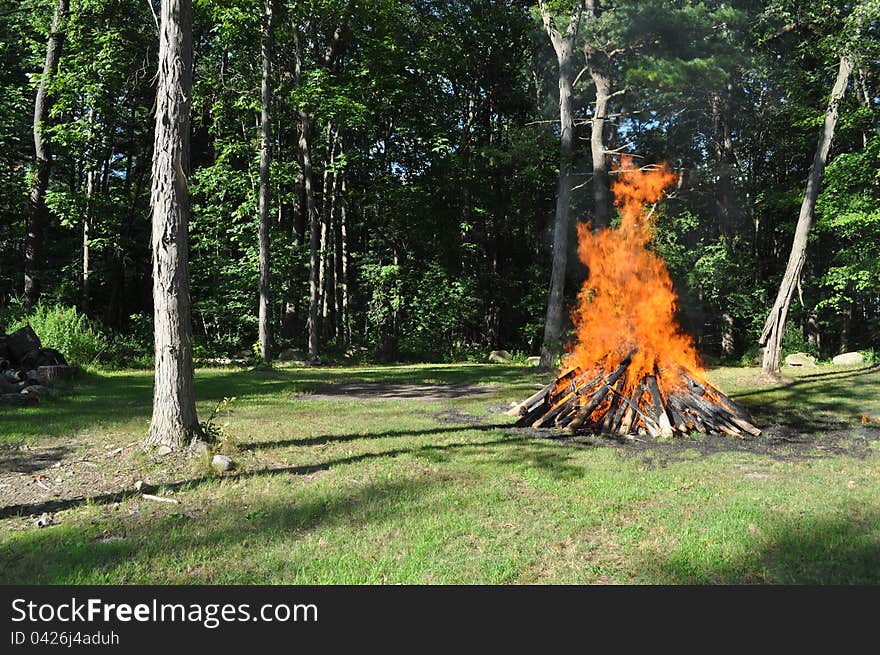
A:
x: 628, y: 301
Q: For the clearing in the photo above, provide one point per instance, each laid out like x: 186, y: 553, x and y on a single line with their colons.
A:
x: 412, y: 474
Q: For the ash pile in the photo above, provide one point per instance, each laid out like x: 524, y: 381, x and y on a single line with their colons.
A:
x: 28, y: 371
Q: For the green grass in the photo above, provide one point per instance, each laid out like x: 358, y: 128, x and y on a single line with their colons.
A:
x: 350, y: 491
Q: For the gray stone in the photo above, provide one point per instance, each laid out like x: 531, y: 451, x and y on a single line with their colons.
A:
x: 161, y: 451
x: 499, y: 357
x: 19, y: 399
x: 40, y: 391
x: 244, y: 353
x: 292, y: 355
x: 221, y: 463
x: 533, y: 361
x: 44, y: 520
x: 849, y: 359
x: 801, y: 359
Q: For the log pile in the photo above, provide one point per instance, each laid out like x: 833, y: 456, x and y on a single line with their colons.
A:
x: 27, y: 369
x: 608, y: 402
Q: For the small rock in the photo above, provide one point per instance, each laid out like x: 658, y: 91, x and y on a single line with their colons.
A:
x: 849, y: 359
x: 221, y: 463
x: 139, y: 485
x: 40, y: 391
x: 499, y: 357
x: 19, y: 399
x: 292, y: 355
x: 161, y: 451
x: 801, y: 359
x: 244, y: 353
x: 533, y: 361
x: 44, y: 520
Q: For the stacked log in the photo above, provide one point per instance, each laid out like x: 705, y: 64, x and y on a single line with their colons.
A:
x: 608, y: 402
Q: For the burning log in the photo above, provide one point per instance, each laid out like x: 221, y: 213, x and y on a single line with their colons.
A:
x: 631, y: 369
x: 584, y: 403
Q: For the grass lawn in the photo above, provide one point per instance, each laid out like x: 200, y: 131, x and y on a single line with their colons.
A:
x: 376, y: 475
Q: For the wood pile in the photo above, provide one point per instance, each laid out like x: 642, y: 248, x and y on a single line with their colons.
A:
x: 27, y: 369
x: 608, y: 402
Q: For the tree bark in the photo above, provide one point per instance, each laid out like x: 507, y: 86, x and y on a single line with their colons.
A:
x: 305, y: 149
x: 325, y: 246
x: 563, y: 44
x: 265, y: 314
x: 38, y: 213
x: 774, y: 327
x: 174, y: 422
x: 601, y: 184
x: 343, y: 261
x: 85, y: 287
x: 723, y: 146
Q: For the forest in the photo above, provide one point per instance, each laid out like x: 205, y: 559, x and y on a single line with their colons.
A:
x: 396, y: 292
x: 396, y: 169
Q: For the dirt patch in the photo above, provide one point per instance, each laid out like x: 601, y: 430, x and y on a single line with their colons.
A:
x: 37, y: 476
x: 376, y: 391
x: 776, y: 442
x: 794, y: 437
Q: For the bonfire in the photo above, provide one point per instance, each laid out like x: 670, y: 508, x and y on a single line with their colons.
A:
x: 630, y: 369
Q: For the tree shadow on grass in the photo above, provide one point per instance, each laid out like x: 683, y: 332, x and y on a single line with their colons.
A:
x: 67, y: 555
x: 321, y: 440
x: 14, y: 460
x: 556, y: 461
x: 107, y: 399
x: 812, y: 550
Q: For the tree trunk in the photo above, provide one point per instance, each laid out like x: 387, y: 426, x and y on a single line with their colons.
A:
x: 174, y: 422
x: 723, y: 146
x: 343, y: 261
x: 601, y: 184
x: 564, y: 47
x: 326, y: 233
x: 314, y: 236
x: 265, y: 315
x: 85, y: 289
x: 305, y: 151
x: 38, y: 213
x: 774, y: 328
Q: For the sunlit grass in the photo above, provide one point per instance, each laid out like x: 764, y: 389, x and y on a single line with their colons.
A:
x: 346, y: 490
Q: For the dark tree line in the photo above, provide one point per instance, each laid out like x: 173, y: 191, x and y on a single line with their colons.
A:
x: 400, y: 179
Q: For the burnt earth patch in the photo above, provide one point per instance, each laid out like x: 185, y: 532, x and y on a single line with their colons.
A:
x: 778, y: 442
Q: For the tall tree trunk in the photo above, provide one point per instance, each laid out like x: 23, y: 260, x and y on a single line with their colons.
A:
x: 174, y: 421
x: 326, y: 232
x: 314, y: 236
x: 85, y: 288
x: 343, y: 261
x: 564, y: 47
x: 38, y: 213
x: 601, y: 185
x: 723, y: 146
x: 774, y: 328
x: 305, y: 151
x: 265, y: 315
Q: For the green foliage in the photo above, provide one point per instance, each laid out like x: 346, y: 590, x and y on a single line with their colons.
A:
x: 78, y: 338
x: 215, y: 432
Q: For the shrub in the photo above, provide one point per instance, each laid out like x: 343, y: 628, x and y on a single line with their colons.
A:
x: 78, y: 338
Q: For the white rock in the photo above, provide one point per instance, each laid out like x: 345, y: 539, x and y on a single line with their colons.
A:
x: 533, y: 361
x: 800, y: 359
x: 161, y: 451
x: 849, y: 359
x: 222, y: 463
x: 499, y: 356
